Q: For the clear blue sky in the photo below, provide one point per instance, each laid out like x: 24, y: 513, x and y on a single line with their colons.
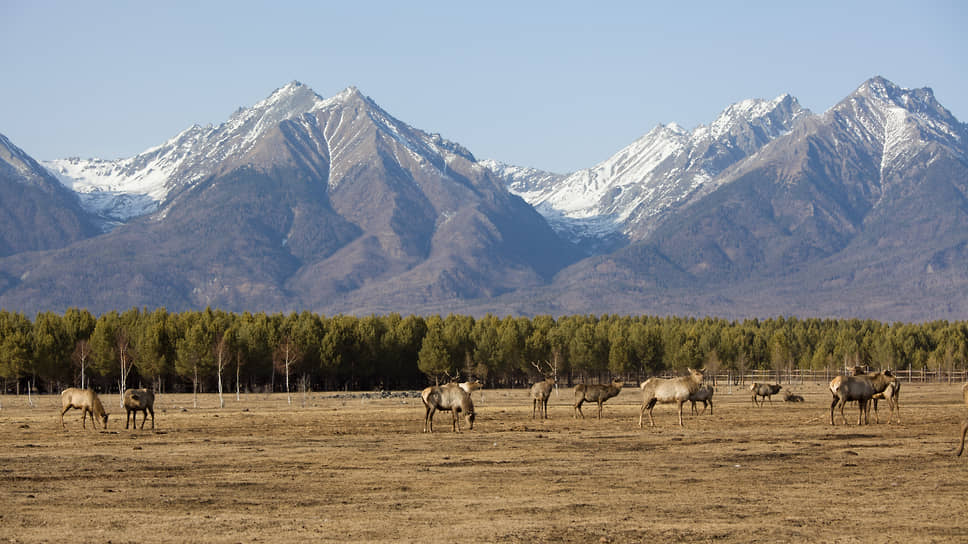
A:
x: 554, y: 85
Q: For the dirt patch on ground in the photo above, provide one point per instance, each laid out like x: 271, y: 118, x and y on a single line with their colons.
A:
x: 344, y: 468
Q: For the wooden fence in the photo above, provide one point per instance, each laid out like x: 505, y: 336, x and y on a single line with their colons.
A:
x: 824, y: 376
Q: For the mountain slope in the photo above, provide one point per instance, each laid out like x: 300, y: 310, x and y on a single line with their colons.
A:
x: 858, y: 210
x: 36, y: 212
x: 303, y: 203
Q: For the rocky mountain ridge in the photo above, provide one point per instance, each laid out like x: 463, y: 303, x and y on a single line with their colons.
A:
x: 333, y: 205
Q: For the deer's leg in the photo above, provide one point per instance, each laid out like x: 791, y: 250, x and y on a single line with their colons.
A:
x: 964, y: 430
x: 429, y: 419
x: 680, y: 413
x: 64, y: 411
x: 456, y: 424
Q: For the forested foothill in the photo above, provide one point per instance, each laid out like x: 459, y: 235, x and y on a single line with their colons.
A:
x: 217, y: 351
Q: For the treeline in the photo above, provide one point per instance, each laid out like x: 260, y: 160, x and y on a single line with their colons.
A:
x: 214, y: 350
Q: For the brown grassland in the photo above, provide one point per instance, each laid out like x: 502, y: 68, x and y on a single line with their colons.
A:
x: 352, y: 469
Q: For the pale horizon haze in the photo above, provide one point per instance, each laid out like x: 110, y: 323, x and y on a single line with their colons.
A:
x: 558, y: 86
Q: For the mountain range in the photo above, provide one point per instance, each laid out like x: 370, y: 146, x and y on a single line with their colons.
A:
x: 333, y: 205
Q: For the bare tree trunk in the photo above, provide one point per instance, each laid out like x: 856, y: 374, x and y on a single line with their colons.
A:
x: 237, y: 373
x: 124, y: 356
x: 221, y: 401
x: 288, y: 393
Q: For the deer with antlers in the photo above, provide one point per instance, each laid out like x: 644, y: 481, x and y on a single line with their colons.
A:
x: 541, y: 391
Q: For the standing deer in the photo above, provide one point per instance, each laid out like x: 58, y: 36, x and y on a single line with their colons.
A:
x: 860, y: 388
x: 86, y: 401
x: 891, y: 394
x: 764, y: 390
x: 447, y: 397
x: 539, y: 397
x: 139, y: 400
x: 597, y: 393
x: 704, y: 395
x: 668, y: 390
x: 541, y: 391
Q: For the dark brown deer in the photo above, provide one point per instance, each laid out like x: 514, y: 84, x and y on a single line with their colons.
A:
x: 704, y: 395
x: 764, y: 390
x: 597, y: 393
x: 139, y: 400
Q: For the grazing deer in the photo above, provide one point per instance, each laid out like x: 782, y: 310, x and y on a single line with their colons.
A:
x: 447, y: 397
x: 139, y: 400
x: 86, y: 401
x: 669, y: 390
x: 764, y: 390
x: 597, y: 393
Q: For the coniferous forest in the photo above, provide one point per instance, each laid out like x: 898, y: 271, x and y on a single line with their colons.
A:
x: 212, y: 350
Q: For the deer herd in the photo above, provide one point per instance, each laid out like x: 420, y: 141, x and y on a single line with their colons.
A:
x: 864, y: 388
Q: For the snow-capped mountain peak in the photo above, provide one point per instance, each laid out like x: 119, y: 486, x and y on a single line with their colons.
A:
x: 118, y: 190
x: 628, y: 193
x: 897, y: 122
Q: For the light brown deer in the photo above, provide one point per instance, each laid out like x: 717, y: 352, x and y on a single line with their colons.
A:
x: 447, y: 397
x: 471, y: 386
x: 597, y: 393
x: 541, y: 391
x: 139, y: 400
x: 85, y: 400
x: 891, y: 394
x: 860, y: 388
x: 669, y: 390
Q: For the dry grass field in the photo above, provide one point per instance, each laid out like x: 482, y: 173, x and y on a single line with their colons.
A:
x: 361, y: 470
